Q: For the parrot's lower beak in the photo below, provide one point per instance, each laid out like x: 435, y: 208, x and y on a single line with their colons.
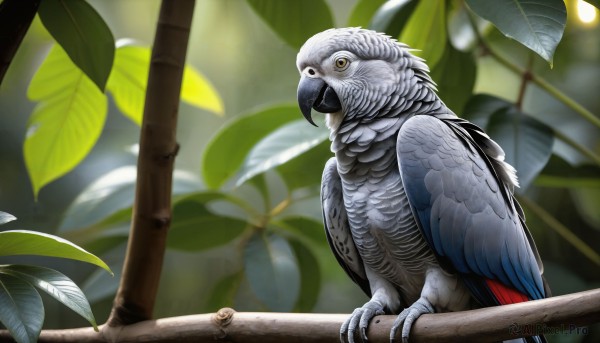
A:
x: 315, y: 93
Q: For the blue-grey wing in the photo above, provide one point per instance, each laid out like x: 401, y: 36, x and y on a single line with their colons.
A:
x: 337, y: 228
x: 465, y: 210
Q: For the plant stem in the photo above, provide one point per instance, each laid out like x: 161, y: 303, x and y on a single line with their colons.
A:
x: 575, y: 145
x: 562, y: 230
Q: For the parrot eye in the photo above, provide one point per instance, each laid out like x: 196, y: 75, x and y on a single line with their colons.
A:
x: 342, y: 63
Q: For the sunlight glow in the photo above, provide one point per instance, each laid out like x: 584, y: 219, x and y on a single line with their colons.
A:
x: 586, y: 13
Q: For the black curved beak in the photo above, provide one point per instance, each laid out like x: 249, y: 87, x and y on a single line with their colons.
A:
x: 314, y: 93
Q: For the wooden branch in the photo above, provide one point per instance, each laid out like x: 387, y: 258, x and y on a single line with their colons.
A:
x: 151, y: 218
x: 564, y: 313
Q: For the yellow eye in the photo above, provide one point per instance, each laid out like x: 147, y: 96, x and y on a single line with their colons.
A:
x: 342, y: 63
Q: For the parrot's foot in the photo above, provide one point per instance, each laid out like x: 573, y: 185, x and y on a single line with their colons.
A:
x: 407, y: 317
x: 360, y: 319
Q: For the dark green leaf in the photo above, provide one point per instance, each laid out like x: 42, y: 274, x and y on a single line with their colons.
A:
x: 304, y: 227
x: 455, y: 77
x: 280, y: 146
x: 306, y: 169
x: 294, y: 21
x: 559, y: 173
x: 224, y: 292
x: 537, y: 24
x: 112, y: 193
x: 6, y: 217
x: 363, y: 11
x: 226, y: 151
x: 480, y: 108
x: 82, y: 33
x: 272, y: 271
x: 22, y: 242
x: 392, y: 16
x: 426, y: 31
x: 587, y: 200
x: 526, y: 141
x: 57, y: 285
x: 310, y: 277
x: 21, y: 309
x: 195, y: 228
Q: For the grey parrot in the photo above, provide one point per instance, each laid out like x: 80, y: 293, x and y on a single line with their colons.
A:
x: 418, y: 203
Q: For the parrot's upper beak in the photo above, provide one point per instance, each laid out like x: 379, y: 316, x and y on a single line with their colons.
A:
x: 313, y: 92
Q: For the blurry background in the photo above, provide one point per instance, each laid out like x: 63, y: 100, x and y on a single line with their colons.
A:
x: 251, y: 68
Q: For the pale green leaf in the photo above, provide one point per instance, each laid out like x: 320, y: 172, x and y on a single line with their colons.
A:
x: 294, y: 21
x: 282, y: 145
x: 226, y: 151
x: 310, y: 277
x: 304, y: 228
x: 57, y: 285
x: 67, y: 121
x: 82, y: 33
x: 272, y: 271
x: 426, y: 31
x: 128, y: 81
x: 537, y: 24
x: 21, y: 309
x: 392, y: 16
x: 455, y: 76
x: 6, y: 217
x: 24, y: 242
x: 363, y: 11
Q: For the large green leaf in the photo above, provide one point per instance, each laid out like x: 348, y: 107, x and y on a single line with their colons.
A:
x: 23, y: 242
x: 294, y: 21
x: 392, y: 16
x: 194, y: 227
x: 537, y: 24
x: 310, y: 277
x: 57, y: 285
x: 426, y: 31
x: 21, y: 309
x: 526, y: 141
x: 112, y: 193
x: 226, y: 151
x: 559, y: 173
x: 272, y: 271
x: 480, y: 108
x: 6, y: 217
x: 129, y: 79
x: 86, y: 38
x: 455, y: 77
x: 304, y: 228
x: 280, y: 146
x: 67, y: 121
x: 306, y: 170
x: 363, y: 11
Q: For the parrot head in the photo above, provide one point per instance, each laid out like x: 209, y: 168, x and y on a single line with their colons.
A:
x: 355, y: 73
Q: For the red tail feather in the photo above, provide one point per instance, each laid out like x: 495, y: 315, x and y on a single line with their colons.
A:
x: 505, y: 294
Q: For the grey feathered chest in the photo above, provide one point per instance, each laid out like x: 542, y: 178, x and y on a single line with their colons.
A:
x: 381, y: 222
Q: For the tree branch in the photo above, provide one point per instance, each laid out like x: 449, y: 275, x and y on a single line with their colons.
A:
x: 151, y: 218
x: 561, y: 313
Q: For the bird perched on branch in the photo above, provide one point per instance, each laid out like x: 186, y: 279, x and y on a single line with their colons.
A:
x: 418, y: 204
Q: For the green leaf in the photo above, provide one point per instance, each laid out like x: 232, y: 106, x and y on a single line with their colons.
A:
x: 82, y: 33
x: 392, y: 16
x: 112, y: 193
x: 225, y: 153
x: 129, y: 79
x: 310, y: 277
x: 460, y: 29
x: 587, y: 200
x: 280, y: 146
x: 426, y: 31
x: 455, y: 78
x: 195, y: 228
x: 294, y: 21
x: 306, y: 170
x: 24, y: 242
x: 559, y: 173
x: 272, y: 271
x: 305, y: 228
x: 224, y: 292
x: 526, y: 141
x: 537, y: 24
x: 6, y: 217
x: 57, y: 285
x: 21, y: 309
x: 480, y: 107
x: 67, y: 121
x: 363, y: 11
